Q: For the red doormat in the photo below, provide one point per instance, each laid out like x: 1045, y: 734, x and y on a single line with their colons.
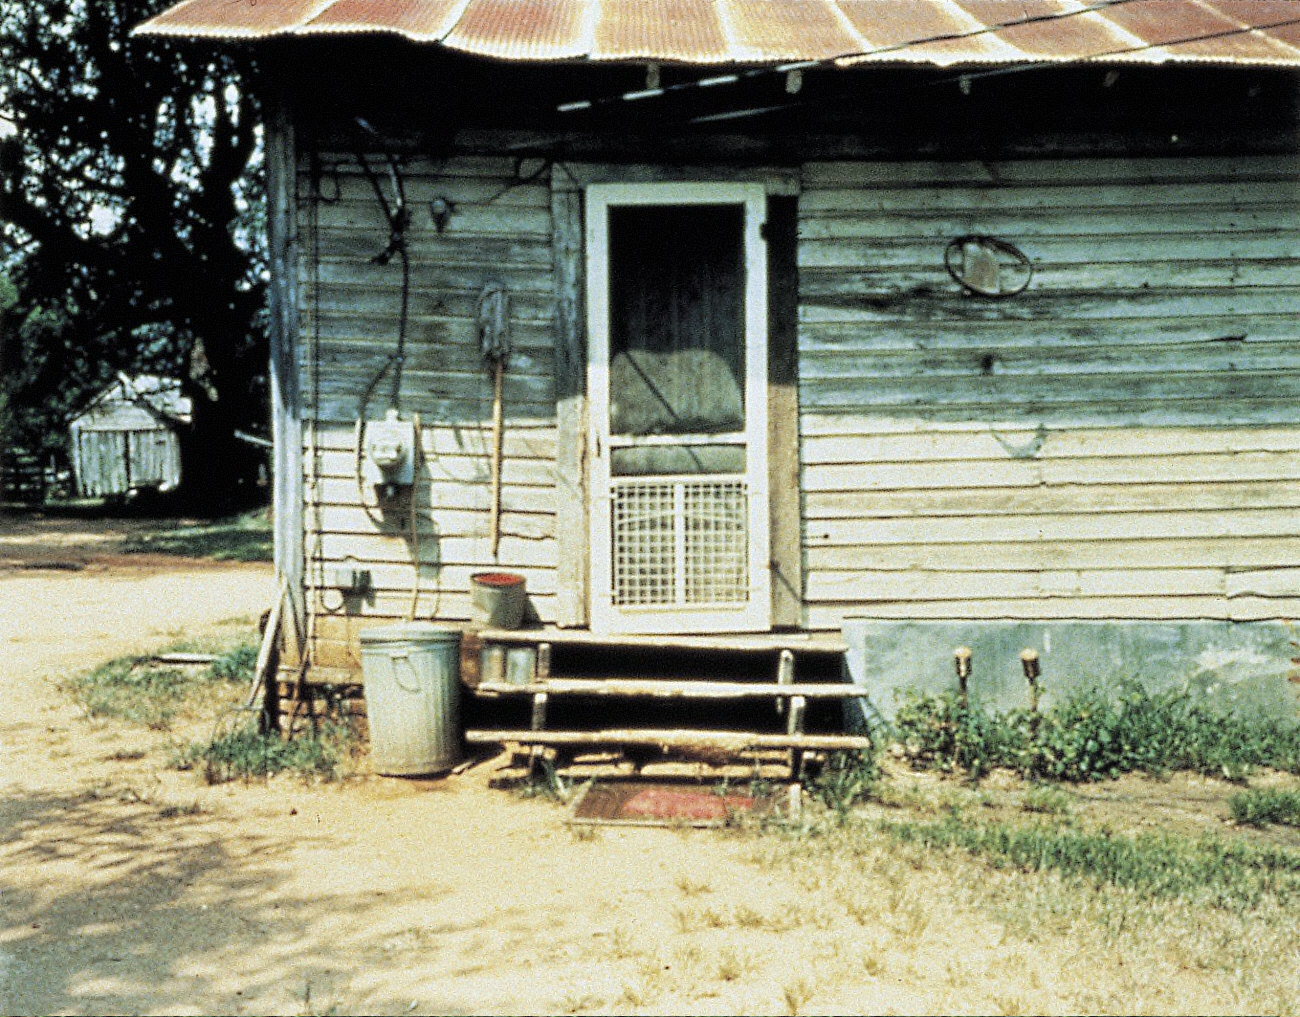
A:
x: 642, y: 803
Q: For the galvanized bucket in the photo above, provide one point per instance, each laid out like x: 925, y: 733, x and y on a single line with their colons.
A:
x: 411, y: 674
x: 498, y: 600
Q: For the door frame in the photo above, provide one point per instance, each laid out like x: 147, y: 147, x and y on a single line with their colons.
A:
x: 756, y: 613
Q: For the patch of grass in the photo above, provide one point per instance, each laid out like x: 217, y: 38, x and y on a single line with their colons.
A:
x: 1047, y: 798
x: 1266, y: 805
x: 1091, y: 737
x: 1219, y: 872
x: 246, y: 753
x: 140, y: 690
x: 127, y: 688
x: 245, y: 538
x: 1032, y: 905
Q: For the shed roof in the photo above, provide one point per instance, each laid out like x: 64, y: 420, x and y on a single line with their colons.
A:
x: 121, y: 404
x: 714, y: 32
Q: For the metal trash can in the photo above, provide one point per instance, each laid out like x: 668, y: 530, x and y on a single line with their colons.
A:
x: 411, y: 674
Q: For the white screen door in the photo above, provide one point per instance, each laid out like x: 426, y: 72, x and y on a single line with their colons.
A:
x: 677, y: 381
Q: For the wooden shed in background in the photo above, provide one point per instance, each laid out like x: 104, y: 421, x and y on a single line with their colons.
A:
x: 914, y: 324
x: 126, y: 439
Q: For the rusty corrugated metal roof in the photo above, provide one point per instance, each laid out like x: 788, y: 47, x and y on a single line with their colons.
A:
x: 935, y: 32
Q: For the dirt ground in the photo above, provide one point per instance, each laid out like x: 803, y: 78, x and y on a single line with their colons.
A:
x: 129, y: 887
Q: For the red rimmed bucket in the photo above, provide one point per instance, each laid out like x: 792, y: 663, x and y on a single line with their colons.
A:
x: 498, y: 600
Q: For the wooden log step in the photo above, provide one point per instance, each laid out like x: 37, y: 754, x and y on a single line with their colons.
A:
x: 673, y: 689
x: 764, y: 642
x: 728, y: 741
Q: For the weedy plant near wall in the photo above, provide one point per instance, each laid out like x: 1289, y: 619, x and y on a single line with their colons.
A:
x: 1091, y: 737
x: 246, y: 753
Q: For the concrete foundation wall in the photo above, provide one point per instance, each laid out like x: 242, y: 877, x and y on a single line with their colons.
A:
x: 1240, y: 666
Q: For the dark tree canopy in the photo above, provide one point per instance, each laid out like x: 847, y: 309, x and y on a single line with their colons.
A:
x: 132, y: 226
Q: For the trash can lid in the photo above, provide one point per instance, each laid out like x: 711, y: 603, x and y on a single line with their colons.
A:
x: 411, y: 632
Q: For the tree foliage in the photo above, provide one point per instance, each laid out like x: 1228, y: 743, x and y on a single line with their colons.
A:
x: 132, y: 223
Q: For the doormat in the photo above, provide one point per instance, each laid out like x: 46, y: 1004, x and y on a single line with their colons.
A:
x: 642, y: 803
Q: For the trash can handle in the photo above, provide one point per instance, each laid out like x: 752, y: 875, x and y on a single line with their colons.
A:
x: 404, y: 656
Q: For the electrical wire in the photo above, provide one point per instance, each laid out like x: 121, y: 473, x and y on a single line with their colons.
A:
x: 398, y: 217
x: 1126, y: 51
x: 965, y: 77
x: 852, y: 57
x: 417, y: 454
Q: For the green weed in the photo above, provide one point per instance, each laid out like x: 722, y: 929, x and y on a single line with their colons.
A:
x: 246, y: 753
x: 846, y: 780
x: 1266, y: 805
x: 235, y: 665
x: 545, y: 781
x: 1091, y: 737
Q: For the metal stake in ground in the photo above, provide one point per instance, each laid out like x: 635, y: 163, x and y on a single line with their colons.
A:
x: 1033, y: 671
x: 962, y: 660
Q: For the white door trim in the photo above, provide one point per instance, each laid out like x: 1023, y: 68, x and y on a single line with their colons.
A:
x: 756, y: 614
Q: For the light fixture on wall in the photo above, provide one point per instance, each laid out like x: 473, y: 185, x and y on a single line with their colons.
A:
x: 440, y: 209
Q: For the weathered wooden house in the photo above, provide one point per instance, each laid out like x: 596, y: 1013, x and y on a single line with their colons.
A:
x: 905, y: 323
x: 126, y: 439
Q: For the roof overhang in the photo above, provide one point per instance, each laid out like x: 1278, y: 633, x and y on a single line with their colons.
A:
x: 943, y: 33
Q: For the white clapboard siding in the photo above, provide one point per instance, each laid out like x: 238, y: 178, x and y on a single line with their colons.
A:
x: 1225, y: 552
x: 932, y: 444
x: 499, y: 232
x: 396, y: 577
x: 520, y: 440
x: 830, y: 614
x: 1056, y: 499
x: 1119, y: 441
x: 434, y: 602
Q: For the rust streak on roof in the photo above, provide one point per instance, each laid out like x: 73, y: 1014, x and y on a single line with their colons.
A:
x: 525, y: 29
x: 719, y: 32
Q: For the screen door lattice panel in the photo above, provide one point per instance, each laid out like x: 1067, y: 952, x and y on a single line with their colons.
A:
x: 679, y: 543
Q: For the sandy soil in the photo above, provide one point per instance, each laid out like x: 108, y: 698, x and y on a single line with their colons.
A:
x: 128, y: 887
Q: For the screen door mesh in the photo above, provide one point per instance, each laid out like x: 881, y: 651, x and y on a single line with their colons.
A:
x: 680, y: 543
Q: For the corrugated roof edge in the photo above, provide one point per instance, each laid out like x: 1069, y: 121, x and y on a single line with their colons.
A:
x: 187, y: 20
